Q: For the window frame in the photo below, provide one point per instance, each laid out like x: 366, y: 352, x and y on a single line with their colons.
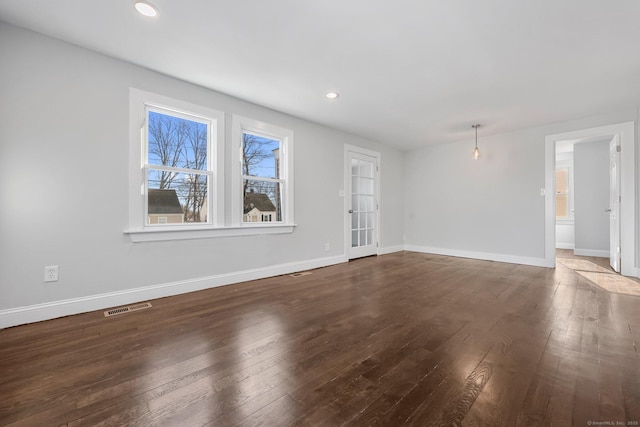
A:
x: 243, y: 125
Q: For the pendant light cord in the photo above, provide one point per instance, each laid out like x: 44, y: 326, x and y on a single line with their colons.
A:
x: 476, y: 126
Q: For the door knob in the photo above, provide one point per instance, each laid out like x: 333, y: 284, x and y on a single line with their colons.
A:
x: 350, y: 210
x: 607, y: 210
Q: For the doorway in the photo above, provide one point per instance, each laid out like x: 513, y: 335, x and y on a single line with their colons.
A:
x: 587, y: 197
x: 362, y: 170
x: 627, y: 201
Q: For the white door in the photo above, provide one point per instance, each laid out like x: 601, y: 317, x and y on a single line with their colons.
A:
x: 362, y: 182
x: 614, y: 203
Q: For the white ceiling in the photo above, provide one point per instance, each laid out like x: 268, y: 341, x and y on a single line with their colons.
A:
x: 410, y: 72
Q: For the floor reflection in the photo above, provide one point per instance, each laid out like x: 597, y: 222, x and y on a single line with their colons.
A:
x: 262, y: 348
x: 602, y: 277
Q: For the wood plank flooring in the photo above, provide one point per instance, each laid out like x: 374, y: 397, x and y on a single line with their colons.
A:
x: 398, y: 339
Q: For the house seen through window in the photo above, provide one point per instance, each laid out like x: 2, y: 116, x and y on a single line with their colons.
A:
x: 261, y: 178
x: 178, y: 168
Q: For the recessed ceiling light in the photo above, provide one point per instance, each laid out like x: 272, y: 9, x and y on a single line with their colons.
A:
x: 145, y: 8
x: 332, y: 95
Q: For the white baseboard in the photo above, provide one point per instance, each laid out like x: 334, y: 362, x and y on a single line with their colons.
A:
x: 565, y: 246
x: 591, y: 252
x: 512, y: 259
x: 390, y: 249
x: 38, y: 312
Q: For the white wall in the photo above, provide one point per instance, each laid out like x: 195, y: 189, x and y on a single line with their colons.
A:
x: 591, y: 163
x: 64, y: 144
x: 490, y: 208
x: 565, y: 235
x: 487, y: 208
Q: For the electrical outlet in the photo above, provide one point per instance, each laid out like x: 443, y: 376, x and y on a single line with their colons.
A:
x: 51, y: 273
x: 327, y: 247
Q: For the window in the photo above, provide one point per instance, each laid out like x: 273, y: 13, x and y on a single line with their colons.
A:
x: 177, y: 171
x: 563, y: 200
x: 175, y: 164
x: 261, y: 181
x: 265, y: 190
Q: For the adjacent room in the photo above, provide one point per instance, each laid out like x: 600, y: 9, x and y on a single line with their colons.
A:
x: 336, y: 213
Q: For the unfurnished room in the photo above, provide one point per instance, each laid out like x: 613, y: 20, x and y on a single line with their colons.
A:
x: 279, y: 213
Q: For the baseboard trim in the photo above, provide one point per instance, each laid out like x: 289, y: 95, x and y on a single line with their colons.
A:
x: 51, y: 310
x: 591, y: 252
x: 485, y: 256
x: 565, y: 246
x: 390, y: 249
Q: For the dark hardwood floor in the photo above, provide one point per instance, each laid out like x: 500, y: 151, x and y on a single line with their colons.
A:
x: 405, y: 338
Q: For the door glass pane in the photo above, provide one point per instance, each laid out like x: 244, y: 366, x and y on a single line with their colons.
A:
x: 363, y: 237
x: 362, y: 186
x: 366, y: 169
x: 354, y: 239
x: 354, y: 221
x: 363, y: 203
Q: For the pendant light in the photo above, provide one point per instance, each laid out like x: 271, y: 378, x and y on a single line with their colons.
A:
x: 476, y: 152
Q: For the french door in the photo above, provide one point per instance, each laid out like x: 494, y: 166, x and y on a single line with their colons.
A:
x: 362, y: 203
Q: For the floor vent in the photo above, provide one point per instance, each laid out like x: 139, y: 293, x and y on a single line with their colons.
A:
x: 301, y: 273
x: 127, y: 309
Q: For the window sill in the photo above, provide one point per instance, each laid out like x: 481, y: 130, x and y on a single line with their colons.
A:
x: 183, y: 233
x: 565, y: 221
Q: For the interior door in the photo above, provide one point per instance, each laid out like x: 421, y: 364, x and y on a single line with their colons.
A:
x: 363, y: 204
x: 614, y: 203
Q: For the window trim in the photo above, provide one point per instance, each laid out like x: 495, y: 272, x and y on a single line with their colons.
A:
x: 198, y: 232
x: 241, y: 125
